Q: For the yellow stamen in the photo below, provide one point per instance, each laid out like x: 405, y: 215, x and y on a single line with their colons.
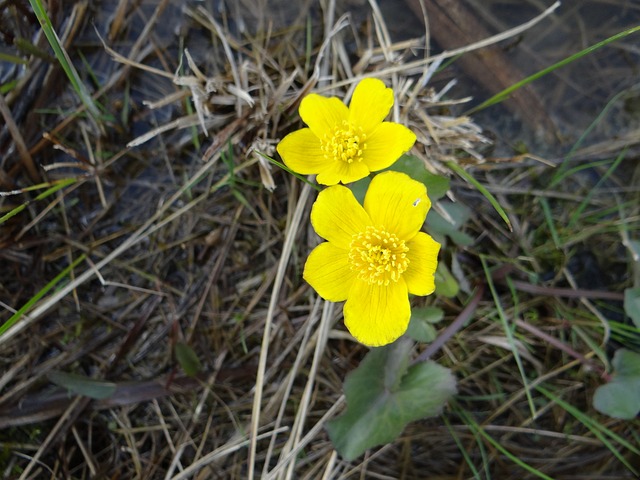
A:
x: 346, y: 144
x: 377, y: 256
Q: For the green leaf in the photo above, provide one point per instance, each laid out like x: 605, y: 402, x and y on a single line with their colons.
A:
x: 456, y: 216
x: 437, y: 186
x: 626, y: 363
x: 620, y: 398
x: 187, y: 359
x: 81, y: 385
x: 420, y: 326
x: 384, y: 394
x: 446, y: 284
x: 63, y: 58
x: 632, y: 304
x: 359, y: 189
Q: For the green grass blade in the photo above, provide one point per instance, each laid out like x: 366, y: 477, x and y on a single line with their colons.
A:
x: 504, y: 94
x: 461, y: 447
x: 575, y: 216
x: 564, y: 170
x: 7, y: 57
x: 33, y: 300
x: 477, y: 429
x: 25, y: 46
x: 492, y: 200
x: 546, y: 211
x: 63, y: 58
x: 13, y: 213
x: 599, y: 430
x: 508, y: 333
x: 567, y: 172
x: 7, y: 87
x: 593, y: 344
x: 57, y: 186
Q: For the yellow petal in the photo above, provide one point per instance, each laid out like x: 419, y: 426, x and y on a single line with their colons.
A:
x: 397, y: 203
x: 300, y: 151
x: 327, y: 270
x: 370, y: 104
x: 336, y: 216
x: 423, y: 260
x: 386, y: 144
x: 377, y: 315
x: 323, y: 114
x: 342, y: 172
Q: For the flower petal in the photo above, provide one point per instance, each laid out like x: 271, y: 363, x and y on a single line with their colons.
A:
x: 327, y: 270
x: 323, y: 114
x: 377, y: 315
x: 423, y: 260
x: 336, y: 216
x: 300, y: 151
x: 386, y: 144
x: 342, y: 172
x: 397, y: 203
x: 370, y: 104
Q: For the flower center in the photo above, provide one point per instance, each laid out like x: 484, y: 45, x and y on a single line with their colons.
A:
x: 377, y: 256
x: 346, y: 144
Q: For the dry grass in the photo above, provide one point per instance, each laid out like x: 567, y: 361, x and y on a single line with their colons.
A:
x: 186, y: 243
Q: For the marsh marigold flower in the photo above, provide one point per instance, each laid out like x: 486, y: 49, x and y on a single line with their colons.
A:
x: 343, y: 144
x: 374, y: 256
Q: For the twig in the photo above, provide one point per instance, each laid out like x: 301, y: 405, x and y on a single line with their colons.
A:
x: 453, y: 328
x: 561, y: 346
x: 25, y: 156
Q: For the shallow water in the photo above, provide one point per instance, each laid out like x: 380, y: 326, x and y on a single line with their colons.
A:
x: 573, y: 95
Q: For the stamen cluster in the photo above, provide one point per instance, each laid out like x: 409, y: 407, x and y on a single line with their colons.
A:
x: 347, y: 143
x: 377, y: 256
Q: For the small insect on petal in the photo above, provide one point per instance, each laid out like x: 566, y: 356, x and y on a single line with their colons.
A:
x: 415, y: 204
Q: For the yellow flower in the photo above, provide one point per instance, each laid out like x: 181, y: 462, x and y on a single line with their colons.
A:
x: 374, y: 256
x: 345, y: 144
